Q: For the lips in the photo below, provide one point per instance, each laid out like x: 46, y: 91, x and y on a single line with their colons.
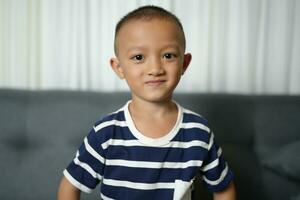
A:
x: 155, y: 82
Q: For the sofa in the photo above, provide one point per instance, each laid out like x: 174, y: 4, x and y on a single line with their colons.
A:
x: 40, y: 132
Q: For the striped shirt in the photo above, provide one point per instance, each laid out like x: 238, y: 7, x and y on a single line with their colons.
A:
x: 132, y: 166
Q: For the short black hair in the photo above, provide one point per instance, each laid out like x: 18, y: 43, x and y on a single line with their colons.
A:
x: 148, y: 12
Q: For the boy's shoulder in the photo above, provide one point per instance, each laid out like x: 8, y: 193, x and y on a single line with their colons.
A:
x: 190, y: 116
x: 114, y: 118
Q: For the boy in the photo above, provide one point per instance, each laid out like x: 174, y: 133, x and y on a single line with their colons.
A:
x: 152, y: 148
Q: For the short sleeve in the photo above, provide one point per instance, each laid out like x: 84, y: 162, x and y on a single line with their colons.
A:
x: 86, y: 169
x: 216, y: 174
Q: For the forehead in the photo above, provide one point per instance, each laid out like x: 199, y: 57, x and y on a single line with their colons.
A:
x: 143, y: 31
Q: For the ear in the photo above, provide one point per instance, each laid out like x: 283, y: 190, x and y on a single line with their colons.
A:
x: 186, y: 61
x: 115, y: 65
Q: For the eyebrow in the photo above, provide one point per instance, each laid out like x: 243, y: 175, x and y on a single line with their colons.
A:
x: 135, y: 48
x: 175, y: 46
x: 138, y: 48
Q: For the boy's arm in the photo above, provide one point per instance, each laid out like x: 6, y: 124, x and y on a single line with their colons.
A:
x: 227, y: 194
x: 67, y: 191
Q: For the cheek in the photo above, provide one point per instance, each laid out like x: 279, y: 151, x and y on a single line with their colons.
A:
x: 177, y: 75
x: 175, y: 70
x: 132, y: 76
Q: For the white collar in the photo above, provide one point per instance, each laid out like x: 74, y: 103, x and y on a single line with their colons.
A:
x: 153, y: 141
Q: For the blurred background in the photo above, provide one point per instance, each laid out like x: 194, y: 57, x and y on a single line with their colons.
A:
x: 238, y: 46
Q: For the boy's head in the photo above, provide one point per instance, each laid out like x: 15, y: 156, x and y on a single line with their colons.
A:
x: 150, y: 53
x: 148, y: 13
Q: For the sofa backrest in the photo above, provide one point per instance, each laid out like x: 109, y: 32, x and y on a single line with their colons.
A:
x: 40, y: 131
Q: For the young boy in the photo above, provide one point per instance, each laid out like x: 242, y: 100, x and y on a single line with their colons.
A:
x: 152, y: 148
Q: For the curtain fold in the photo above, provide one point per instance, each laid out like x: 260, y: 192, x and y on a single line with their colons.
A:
x: 248, y: 46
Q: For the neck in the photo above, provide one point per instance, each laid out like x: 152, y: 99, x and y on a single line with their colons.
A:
x: 153, y: 109
x: 153, y: 120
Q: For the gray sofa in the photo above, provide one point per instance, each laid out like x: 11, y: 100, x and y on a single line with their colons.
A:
x: 41, y: 130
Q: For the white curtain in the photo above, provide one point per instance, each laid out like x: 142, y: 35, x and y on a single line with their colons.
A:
x: 238, y: 46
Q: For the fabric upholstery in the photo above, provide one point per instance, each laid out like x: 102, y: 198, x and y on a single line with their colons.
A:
x: 40, y: 132
x: 286, y: 161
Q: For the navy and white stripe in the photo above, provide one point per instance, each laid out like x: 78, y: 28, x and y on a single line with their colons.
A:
x: 131, y: 166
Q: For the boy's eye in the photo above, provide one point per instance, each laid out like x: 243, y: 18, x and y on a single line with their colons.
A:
x: 169, y: 55
x: 138, y: 57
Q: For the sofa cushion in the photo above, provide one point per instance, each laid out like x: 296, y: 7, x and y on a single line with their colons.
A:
x: 12, y: 117
x: 276, y: 123
x: 285, y: 161
x: 296, y: 197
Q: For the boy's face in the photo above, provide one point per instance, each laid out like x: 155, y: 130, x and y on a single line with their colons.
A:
x: 150, y: 58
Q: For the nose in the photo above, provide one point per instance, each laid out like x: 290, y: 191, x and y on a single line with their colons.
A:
x: 155, y: 67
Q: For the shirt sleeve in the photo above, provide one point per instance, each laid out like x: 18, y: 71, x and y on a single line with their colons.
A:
x: 86, y: 169
x: 216, y: 174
